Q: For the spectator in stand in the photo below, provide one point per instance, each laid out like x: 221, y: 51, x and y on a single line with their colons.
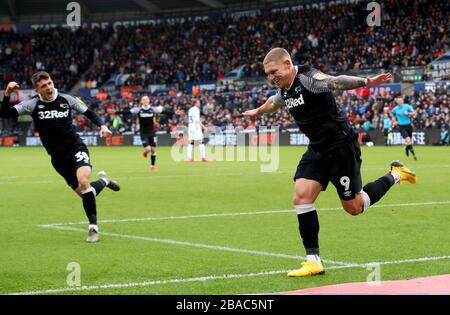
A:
x: 444, y: 137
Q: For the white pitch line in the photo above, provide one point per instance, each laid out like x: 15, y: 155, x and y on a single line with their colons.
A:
x: 189, y: 244
x: 151, y: 283
x: 183, y: 172
x: 31, y: 182
x: 412, y: 260
x: 207, y: 278
x: 231, y: 214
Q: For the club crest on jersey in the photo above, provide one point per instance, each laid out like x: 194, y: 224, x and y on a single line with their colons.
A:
x: 65, y: 106
x: 294, y: 102
x: 320, y: 76
x: 298, y: 89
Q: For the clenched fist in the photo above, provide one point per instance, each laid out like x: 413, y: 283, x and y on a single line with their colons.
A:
x: 12, y: 87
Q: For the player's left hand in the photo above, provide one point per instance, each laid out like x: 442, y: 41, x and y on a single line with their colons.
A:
x: 379, y: 79
x: 104, y: 132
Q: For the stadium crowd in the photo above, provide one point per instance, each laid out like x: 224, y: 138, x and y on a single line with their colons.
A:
x: 224, y: 109
x: 365, y: 111
x: 335, y: 39
x: 63, y: 53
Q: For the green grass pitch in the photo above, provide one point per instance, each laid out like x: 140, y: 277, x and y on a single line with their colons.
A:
x: 212, y: 228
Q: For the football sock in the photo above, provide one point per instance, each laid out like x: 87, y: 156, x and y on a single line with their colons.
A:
x: 89, y: 205
x: 314, y: 258
x: 411, y: 149
x: 98, y: 185
x: 202, y: 150
x: 190, y: 149
x: 377, y: 189
x: 308, y: 223
x: 153, y: 158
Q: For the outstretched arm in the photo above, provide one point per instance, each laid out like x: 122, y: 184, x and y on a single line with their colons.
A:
x: 318, y: 82
x: 270, y: 106
x: 95, y: 119
x: 78, y: 105
x: 346, y: 82
x: 126, y: 111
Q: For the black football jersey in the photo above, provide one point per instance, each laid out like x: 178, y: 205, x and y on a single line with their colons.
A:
x: 147, y: 118
x: 53, y: 120
x: 312, y: 104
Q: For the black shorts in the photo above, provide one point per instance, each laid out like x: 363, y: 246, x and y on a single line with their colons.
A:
x: 342, y: 168
x: 148, y: 139
x: 69, y: 161
x: 405, y: 131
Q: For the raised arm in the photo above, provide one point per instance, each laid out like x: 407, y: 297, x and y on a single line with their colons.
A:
x: 5, y: 110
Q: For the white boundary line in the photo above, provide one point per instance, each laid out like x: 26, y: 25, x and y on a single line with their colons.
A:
x: 207, y: 278
x: 230, y: 214
x: 340, y: 265
x: 154, y: 282
x: 53, y: 181
x: 36, y: 182
x: 198, y: 245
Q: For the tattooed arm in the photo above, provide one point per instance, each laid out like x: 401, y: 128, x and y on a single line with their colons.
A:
x: 318, y: 82
x: 345, y: 82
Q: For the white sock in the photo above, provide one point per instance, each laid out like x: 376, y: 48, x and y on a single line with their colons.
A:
x: 314, y: 258
x: 105, y: 181
x: 190, y: 149
x: 396, y: 177
x: 366, y: 200
x: 93, y: 226
x: 202, y: 150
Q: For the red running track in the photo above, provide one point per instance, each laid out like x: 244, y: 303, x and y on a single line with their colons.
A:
x: 429, y: 285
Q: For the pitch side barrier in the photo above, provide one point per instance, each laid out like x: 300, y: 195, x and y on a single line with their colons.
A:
x: 290, y: 137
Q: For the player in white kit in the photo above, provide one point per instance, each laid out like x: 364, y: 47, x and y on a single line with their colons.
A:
x: 195, y: 132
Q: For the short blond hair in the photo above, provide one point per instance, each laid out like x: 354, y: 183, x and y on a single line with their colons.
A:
x: 276, y: 54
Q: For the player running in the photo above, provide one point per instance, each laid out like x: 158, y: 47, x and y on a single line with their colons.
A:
x: 147, y: 125
x: 52, y: 116
x: 333, y: 153
x: 195, y: 128
x: 403, y: 113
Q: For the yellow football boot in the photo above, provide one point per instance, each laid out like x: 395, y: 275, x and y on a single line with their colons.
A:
x: 308, y: 269
x: 406, y: 175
